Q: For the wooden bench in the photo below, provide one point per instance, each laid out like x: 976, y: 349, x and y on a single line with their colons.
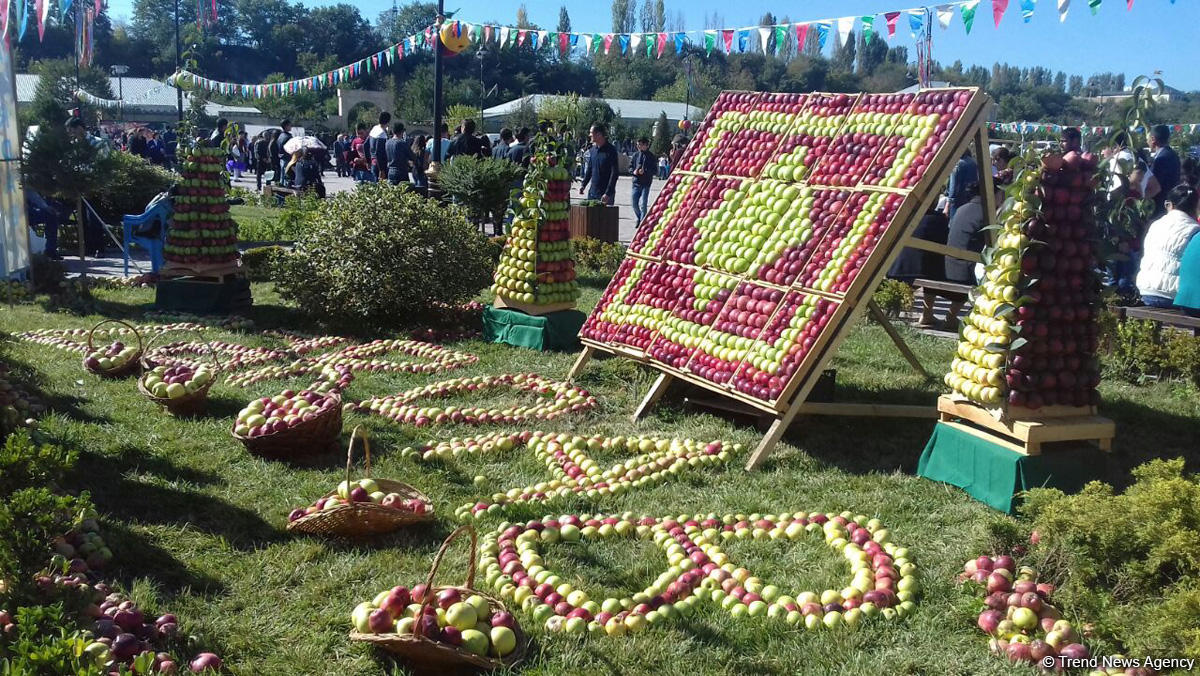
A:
x: 940, y: 285
x: 278, y: 191
x: 1165, y: 317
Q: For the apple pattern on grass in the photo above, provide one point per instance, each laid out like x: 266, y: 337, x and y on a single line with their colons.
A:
x: 782, y: 234
x: 700, y: 573
x: 572, y: 469
x: 555, y: 399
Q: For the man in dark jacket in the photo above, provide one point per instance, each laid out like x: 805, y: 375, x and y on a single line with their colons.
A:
x: 466, y: 143
x: 377, y: 146
x: 218, y: 135
x: 261, y: 161
x: 500, y: 150
x: 282, y: 157
x: 602, y: 167
x: 518, y: 152
x: 643, y: 166
x: 400, y: 157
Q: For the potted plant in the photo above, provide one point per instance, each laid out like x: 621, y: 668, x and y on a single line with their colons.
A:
x: 591, y: 218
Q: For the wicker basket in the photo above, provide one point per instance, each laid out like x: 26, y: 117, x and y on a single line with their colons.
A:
x: 132, y: 366
x: 426, y: 656
x: 192, y: 403
x: 359, y: 519
x: 317, y: 436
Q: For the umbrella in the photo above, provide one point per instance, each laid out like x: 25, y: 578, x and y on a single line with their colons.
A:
x: 302, y: 142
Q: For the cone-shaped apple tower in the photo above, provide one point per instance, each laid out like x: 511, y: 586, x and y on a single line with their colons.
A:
x: 1030, y: 339
x: 537, y: 266
x: 202, y: 234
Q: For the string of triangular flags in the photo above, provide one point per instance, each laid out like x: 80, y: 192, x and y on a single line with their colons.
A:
x: 16, y: 13
x: 1049, y: 127
x: 84, y: 95
x: 653, y: 44
x: 188, y: 80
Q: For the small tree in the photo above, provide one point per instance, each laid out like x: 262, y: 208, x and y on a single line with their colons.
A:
x: 64, y: 168
x: 661, y: 142
x: 458, y: 112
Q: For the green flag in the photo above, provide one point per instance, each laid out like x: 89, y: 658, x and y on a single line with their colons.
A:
x: 597, y: 42
x: 710, y: 41
x: 868, y: 24
x: 1094, y: 5
x: 968, y: 15
x: 781, y: 32
x: 651, y: 39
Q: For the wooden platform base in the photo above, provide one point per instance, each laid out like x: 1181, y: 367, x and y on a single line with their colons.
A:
x: 530, y: 308
x: 217, y: 271
x: 1026, y: 436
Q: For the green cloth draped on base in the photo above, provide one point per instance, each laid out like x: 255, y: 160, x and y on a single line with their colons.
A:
x: 554, y: 331
x: 995, y: 475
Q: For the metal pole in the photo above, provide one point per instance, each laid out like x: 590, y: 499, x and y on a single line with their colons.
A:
x: 437, y: 82
x: 121, y: 96
x: 178, y: 60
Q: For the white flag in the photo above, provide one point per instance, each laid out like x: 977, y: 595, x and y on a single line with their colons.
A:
x: 635, y: 42
x: 587, y: 42
x: 845, y: 27
x: 764, y: 36
x: 542, y: 36
x: 1063, y: 6
x: 944, y: 14
x: 504, y: 36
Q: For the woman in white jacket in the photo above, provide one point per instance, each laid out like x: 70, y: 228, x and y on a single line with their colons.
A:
x: 1158, y: 276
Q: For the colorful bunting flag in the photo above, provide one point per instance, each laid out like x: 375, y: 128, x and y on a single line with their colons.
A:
x: 564, y: 43
x: 727, y: 36
x: 780, y: 37
x: 998, y: 9
x: 65, y: 9
x: 587, y: 43
x: 1027, y: 9
x: 4, y: 18
x: 635, y: 41
x: 823, y: 33
x: 503, y: 38
x: 743, y: 40
x: 624, y: 39
x: 1094, y: 5
x: 649, y: 45
x: 845, y: 26
x: 42, y: 9
x: 608, y: 40
x: 968, y: 14
x: 916, y: 22
x: 522, y: 35
x: 764, y: 38
x: 680, y: 40
x: 598, y: 41
x: 662, y: 43
x: 710, y: 40
x: 801, y: 35
x: 945, y: 13
x: 542, y: 39
x: 891, y: 18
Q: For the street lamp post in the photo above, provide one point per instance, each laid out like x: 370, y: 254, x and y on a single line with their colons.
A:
x: 437, y: 81
x: 479, y: 54
x: 178, y: 61
x: 120, y: 71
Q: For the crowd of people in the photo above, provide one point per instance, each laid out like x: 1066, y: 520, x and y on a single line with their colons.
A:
x: 1156, y: 259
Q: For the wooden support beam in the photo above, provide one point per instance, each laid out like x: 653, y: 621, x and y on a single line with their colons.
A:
x: 935, y: 247
x: 657, y: 390
x: 878, y: 315
x: 581, y: 362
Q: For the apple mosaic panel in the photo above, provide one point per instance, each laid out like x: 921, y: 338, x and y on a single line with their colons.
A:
x: 756, y: 239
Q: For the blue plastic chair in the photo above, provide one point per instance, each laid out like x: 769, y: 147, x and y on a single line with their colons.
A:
x: 159, y: 210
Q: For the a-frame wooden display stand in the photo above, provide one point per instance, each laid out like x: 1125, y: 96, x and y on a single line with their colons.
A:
x: 970, y: 134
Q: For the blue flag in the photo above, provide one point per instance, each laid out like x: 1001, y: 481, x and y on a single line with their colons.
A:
x: 823, y: 32
x: 624, y: 43
x: 916, y: 21
x: 743, y: 37
x: 680, y: 39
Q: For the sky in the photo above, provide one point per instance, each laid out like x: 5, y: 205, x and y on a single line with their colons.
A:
x: 1155, y: 35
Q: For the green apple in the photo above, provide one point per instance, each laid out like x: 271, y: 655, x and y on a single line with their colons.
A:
x: 481, y: 606
x: 475, y: 642
x: 361, y: 616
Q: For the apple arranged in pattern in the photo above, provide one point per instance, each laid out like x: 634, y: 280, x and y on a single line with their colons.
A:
x: 330, y: 378
x: 173, y: 382
x: 925, y: 129
x: 851, y: 239
x: 75, y: 340
x: 779, y: 349
x: 564, y: 398
x: 537, y: 264
x: 1023, y: 624
x: 745, y: 314
x: 17, y: 407
x: 270, y: 415
x: 883, y: 584
x: 1033, y: 344
x: 201, y: 229
x: 363, y: 490
x: 111, y: 358
x: 464, y: 621
x: 697, y: 213
x: 576, y: 473
x: 649, y: 236
x: 617, y: 319
x: 699, y: 297
x: 233, y: 356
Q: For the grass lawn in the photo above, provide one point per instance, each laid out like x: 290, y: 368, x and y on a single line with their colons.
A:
x: 197, y: 524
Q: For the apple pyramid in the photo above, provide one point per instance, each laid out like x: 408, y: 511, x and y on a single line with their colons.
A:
x: 537, y: 265
x: 202, y: 231
x: 1030, y: 339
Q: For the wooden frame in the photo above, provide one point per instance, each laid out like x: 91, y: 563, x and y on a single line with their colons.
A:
x: 1025, y: 435
x: 970, y: 133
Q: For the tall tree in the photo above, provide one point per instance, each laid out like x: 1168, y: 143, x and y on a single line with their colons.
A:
x: 646, y: 16
x: 1060, y: 81
x: 677, y: 23
x: 661, y: 142
x: 768, y: 19
x: 408, y: 19
x: 564, y: 20
x: 622, y: 16
x: 1075, y: 85
x: 523, y: 17
x: 660, y: 17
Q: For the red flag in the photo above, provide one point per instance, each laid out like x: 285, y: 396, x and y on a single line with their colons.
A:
x: 662, y: 43
x: 998, y: 8
x: 891, y: 23
x: 801, y: 35
x: 1130, y: 5
x: 727, y: 36
x: 564, y: 42
x: 521, y: 35
x: 608, y: 40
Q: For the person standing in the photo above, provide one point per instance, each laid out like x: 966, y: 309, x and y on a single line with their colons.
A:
x: 340, y: 148
x: 1164, y: 167
x: 261, y: 161
x: 377, y: 145
x: 137, y: 143
x: 500, y: 150
x: 965, y: 174
x: 444, y: 145
x: 518, y: 152
x: 399, y: 154
x: 281, y: 155
x: 643, y: 166
x: 965, y: 232
x: 466, y: 143
x: 420, y: 162
x: 678, y: 146
x: 217, y: 137
x: 1162, y: 252
x: 602, y: 170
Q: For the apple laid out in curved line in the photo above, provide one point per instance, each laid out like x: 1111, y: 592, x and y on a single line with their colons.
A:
x: 554, y: 399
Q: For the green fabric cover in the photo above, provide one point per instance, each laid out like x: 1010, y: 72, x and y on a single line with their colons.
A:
x: 555, y: 331
x: 995, y: 475
x: 1188, y: 296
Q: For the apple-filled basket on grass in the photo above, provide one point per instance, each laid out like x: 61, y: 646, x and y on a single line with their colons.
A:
x: 115, y: 360
x: 408, y: 625
x: 182, y: 389
x: 364, y: 507
x: 291, y: 425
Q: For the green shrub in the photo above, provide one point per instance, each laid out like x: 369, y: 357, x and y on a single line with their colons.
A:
x: 279, y: 224
x: 260, y: 262
x: 1138, y: 349
x: 128, y: 187
x: 30, y: 518
x: 483, y: 186
x: 1129, y: 562
x: 894, y: 297
x: 381, y: 256
x: 24, y: 463
x: 44, y: 643
x: 603, y: 257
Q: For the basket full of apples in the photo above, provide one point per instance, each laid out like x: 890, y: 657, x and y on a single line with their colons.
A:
x: 436, y: 630
x: 115, y: 360
x: 182, y: 389
x: 363, y: 507
x: 291, y: 424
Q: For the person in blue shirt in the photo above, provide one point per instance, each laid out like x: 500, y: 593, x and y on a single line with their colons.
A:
x: 643, y: 167
x: 400, y: 158
x: 965, y: 173
x: 602, y: 168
